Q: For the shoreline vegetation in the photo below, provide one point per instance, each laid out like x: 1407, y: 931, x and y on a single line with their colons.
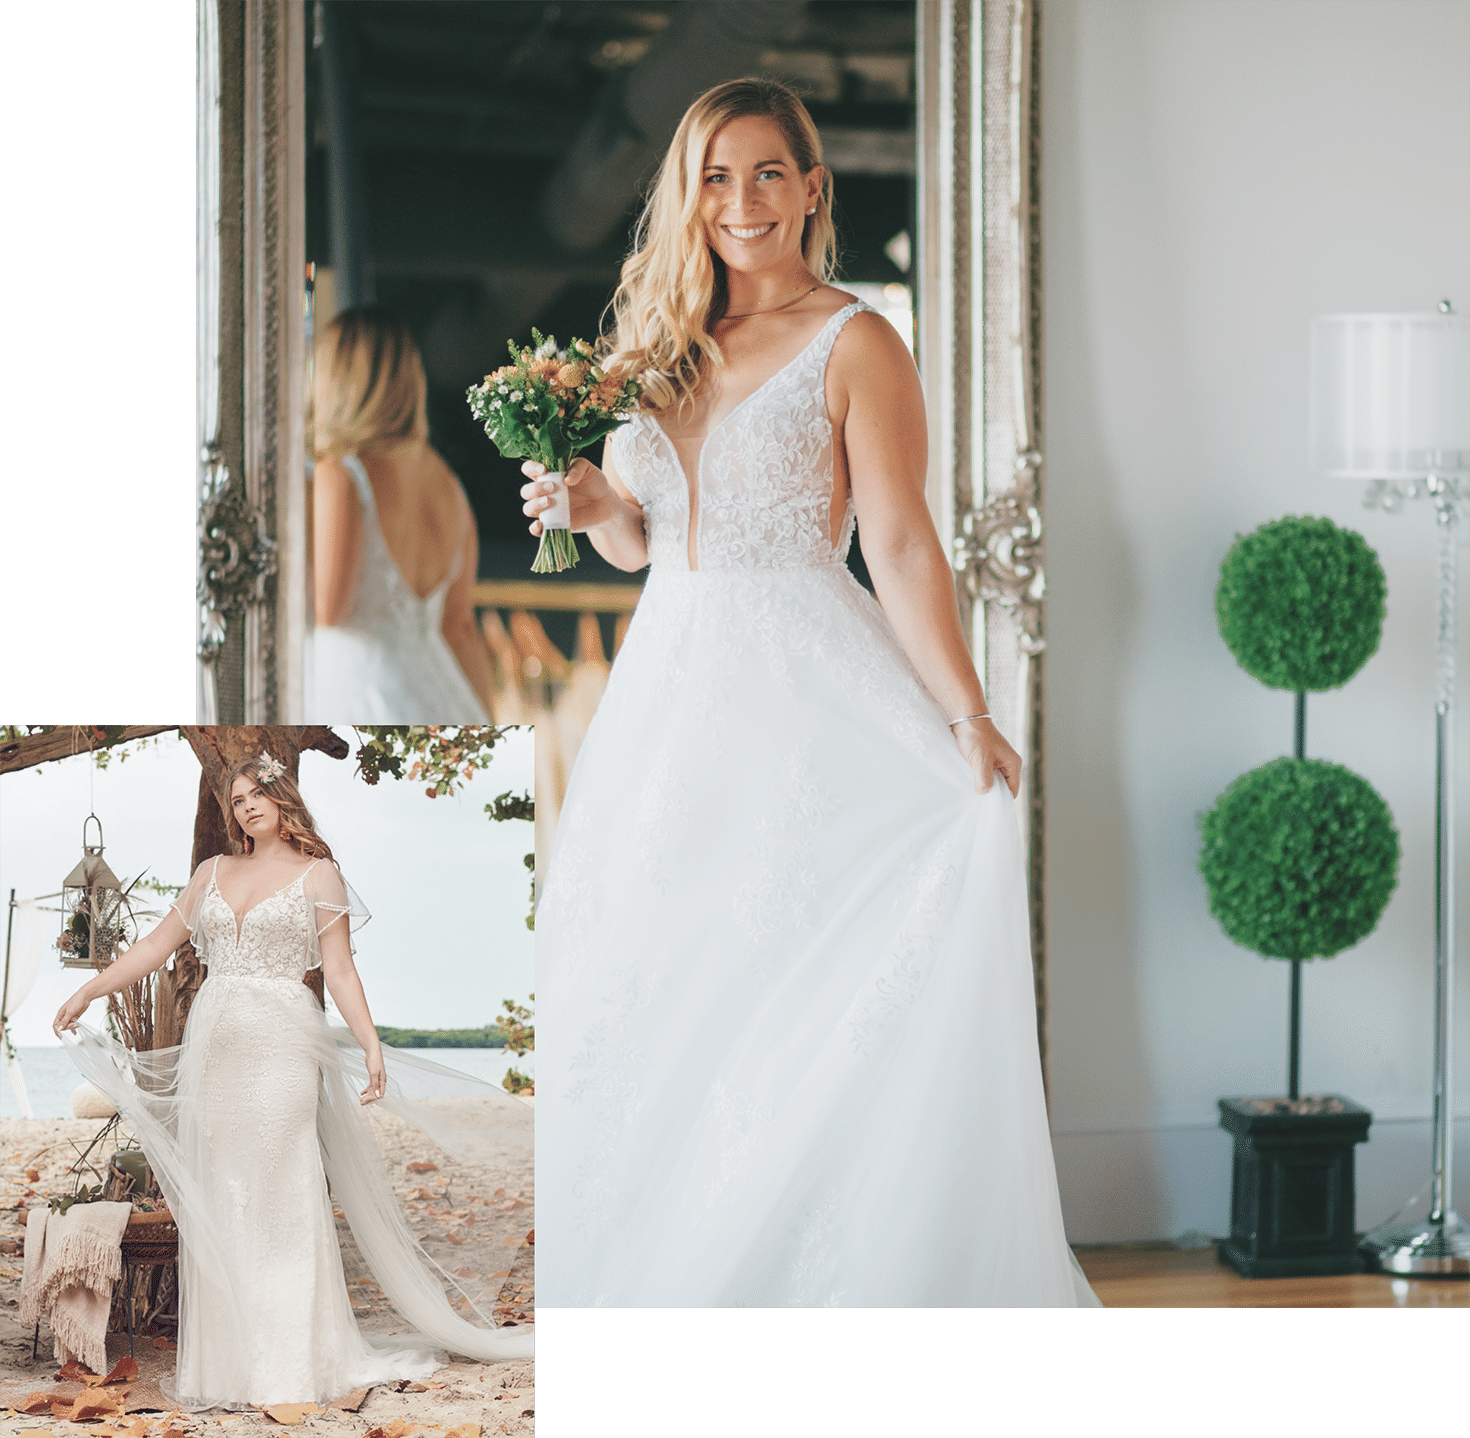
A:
x: 489, y: 1037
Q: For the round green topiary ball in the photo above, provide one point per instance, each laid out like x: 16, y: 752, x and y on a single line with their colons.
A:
x: 1300, y: 858
x: 1300, y: 603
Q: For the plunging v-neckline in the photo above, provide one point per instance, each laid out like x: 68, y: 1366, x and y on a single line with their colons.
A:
x: 697, y: 488
x: 264, y: 898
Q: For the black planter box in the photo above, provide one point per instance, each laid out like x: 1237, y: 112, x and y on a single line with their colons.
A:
x: 1292, y: 1194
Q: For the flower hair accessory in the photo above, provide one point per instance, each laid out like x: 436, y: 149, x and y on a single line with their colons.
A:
x: 268, y: 769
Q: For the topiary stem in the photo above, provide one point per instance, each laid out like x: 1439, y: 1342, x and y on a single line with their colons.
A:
x: 1294, y: 1061
x: 1294, y: 1041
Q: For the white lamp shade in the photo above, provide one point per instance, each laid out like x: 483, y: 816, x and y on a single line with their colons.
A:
x: 1390, y: 395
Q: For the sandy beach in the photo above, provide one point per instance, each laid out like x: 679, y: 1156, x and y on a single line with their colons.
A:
x: 473, y: 1213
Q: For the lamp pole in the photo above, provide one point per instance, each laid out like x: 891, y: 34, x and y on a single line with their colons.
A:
x: 1391, y: 404
x: 1439, y: 1243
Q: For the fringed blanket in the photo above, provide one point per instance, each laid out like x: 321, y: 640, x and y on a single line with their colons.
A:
x: 72, y: 1261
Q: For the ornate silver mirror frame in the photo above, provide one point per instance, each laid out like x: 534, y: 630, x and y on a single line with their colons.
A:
x: 251, y: 357
x: 980, y: 356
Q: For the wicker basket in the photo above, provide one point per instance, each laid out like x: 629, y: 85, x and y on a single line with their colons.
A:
x: 151, y: 1238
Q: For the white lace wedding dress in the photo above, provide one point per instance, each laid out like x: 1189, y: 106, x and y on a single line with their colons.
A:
x: 387, y: 662
x: 787, y: 1023
x: 244, y: 1124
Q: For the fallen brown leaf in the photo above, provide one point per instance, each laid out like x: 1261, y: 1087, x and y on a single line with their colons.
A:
x: 531, y: 1238
x: 464, y: 1272
x: 95, y: 1403
x: 455, y: 1236
x: 398, y: 1428
x: 421, y: 1165
x: 124, y: 1371
x: 36, y: 1403
x: 74, y: 1372
x: 291, y: 1412
x: 164, y: 1343
x: 463, y: 1430
x: 33, y: 1175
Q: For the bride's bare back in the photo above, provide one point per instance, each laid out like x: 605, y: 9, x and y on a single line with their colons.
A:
x: 423, y: 511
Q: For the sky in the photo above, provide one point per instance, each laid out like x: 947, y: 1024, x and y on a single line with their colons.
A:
x: 447, y: 888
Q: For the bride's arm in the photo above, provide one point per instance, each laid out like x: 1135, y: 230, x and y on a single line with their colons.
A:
x: 881, y: 411
x: 337, y: 526
x: 149, y: 953
x: 601, y: 507
x: 345, y: 988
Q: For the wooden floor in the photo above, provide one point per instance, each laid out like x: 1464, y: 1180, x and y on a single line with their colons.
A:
x: 1158, y: 1275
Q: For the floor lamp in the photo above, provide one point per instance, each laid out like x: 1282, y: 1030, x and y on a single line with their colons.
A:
x: 1391, y: 405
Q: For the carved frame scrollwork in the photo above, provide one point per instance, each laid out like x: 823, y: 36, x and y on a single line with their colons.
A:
x: 980, y: 358
x: 251, y: 421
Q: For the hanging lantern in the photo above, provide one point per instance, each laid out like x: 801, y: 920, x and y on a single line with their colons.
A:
x: 95, y: 906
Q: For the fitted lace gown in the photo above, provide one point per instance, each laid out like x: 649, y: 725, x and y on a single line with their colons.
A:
x: 388, y: 662
x: 243, y: 1124
x: 788, y: 1032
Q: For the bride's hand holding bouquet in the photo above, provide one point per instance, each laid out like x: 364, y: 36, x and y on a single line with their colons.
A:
x: 588, y: 495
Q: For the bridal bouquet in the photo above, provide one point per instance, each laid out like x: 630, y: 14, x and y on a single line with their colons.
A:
x: 549, y: 405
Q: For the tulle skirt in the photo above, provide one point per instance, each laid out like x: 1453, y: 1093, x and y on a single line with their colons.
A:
x: 788, y: 1043
x: 244, y: 1124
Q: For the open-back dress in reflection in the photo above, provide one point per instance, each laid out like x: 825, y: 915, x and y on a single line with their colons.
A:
x: 244, y: 1124
x: 788, y: 1048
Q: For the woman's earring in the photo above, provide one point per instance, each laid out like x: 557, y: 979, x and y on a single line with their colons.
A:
x: 812, y: 211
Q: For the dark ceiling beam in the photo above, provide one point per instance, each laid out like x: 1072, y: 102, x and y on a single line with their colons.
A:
x: 589, y: 194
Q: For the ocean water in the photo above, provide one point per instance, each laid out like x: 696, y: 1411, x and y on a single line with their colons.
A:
x: 50, y: 1076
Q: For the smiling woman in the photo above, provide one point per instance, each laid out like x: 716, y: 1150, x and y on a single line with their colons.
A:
x: 811, y: 875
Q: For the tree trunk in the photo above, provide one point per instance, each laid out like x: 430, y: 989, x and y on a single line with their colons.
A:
x: 219, y: 748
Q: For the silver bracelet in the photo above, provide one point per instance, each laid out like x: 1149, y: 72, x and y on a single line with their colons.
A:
x: 965, y: 718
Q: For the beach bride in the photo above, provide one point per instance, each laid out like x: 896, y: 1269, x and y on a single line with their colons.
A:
x: 788, y: 1047
x: 246, y: 1122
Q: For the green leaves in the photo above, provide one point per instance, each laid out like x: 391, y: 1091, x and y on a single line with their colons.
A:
x: 1300, y: 858
x: 1300, y: 603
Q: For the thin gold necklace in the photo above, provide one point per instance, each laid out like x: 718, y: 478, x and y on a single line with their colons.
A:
x: 751, y: 314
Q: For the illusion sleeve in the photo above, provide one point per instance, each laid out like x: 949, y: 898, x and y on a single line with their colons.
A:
x: 189, y: 902
x: 333, y: 904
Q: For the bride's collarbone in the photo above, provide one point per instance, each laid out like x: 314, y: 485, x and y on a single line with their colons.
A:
x: 255, y: 882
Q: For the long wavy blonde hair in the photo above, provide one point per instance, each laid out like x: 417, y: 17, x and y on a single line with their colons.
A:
x: 673, y: 286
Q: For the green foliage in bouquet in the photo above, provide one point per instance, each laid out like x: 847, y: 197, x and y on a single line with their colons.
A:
x: 549, y: 405
x: 1300, y: 603
x: 1300, y: 858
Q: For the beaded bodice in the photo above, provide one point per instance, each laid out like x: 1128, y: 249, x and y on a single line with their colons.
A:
x: 271, y: 940
x: 765, y: 475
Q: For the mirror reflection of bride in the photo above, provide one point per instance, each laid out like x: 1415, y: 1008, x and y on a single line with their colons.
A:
x: 396, y: 550
x: 246, y: 1122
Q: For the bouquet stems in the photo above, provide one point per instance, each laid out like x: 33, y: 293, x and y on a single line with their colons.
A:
x: 558, y: 551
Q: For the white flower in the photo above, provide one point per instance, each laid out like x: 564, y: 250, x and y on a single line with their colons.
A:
x: 504, y: 389
x: 516, y: 394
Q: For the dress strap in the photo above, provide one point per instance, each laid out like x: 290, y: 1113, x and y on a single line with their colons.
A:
x: 827, y: 336
x: 354, y: 467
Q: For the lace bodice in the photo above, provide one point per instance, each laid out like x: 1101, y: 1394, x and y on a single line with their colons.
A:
x: 765, y: 475
x: 276, y: 938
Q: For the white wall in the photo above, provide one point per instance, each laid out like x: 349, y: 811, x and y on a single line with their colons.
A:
x: 1216, y: 172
